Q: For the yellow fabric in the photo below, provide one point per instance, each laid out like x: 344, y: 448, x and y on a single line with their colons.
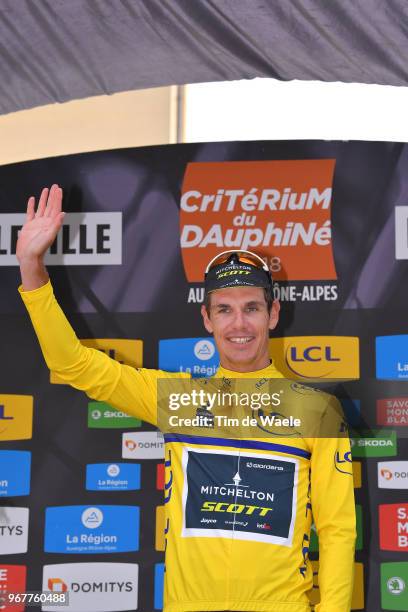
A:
x: 257, y: 560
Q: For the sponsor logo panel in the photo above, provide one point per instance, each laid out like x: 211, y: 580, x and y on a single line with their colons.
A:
x: 158, y: 586
x: 278, y: 208
x: 196, y: 356
x: 401, y: 232
x: 86, y: 238
x: 91, y: 530
x: 129, y: 352
x: 357, y: 599
x: 393, y: 474
x: 160, y: 525
x: 303, y: 357
x: 142, y: 445
x: 393, y: 411
x: 103, y: 416
x: 13, y: 530
x: 394, y: 586
x: 94, y: 587
x: 393, y: 520
x: 12, y: 580
x: 16, y: 417
x: 241, y: 498
x: 112, y: 477
x: 15, y: 469
x: 374, y: 443
x: 392, y: 357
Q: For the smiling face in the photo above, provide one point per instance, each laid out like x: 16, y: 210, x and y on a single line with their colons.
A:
x: 240, y: 321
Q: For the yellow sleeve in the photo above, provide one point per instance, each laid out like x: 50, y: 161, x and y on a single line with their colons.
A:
x: 333, y: 508
x: 102, y: 378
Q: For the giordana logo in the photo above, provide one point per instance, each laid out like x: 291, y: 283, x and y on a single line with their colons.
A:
x: 393, y: 411
x: 112, y: 477
x: 197, y: 356
x: 104, y: 416
x: 393, y: 475
x: 13, y: 530
x: 394, y: 586
x: 281, y: 208
x: 85, y: 239
x: 14, y: 473
x: 401, y: 232
x: 392, y: 357
x: 143, y: 445
x: 91, y: 530
x: 16, y: 417
x: 95, y: 587
x: 12, y: 580
x: 316, y: 356
x: 124, y: 351
x: 394, y: 526
x: 204, y: 349
x: 374, y: 443
x: 92, y: 518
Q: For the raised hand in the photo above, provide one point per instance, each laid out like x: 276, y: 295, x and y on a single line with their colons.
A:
x: 41, y: 226
x: 37, y: 235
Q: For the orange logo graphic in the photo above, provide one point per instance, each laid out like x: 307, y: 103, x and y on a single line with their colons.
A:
x: 279, y: 209
x: 57, y: 585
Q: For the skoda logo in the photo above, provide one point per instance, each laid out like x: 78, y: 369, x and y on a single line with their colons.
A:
x: 396, y: 585
x: 96, y: 414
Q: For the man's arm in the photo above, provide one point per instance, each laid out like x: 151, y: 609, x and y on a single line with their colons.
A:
x: 90, y: 370
x: 333, y: 508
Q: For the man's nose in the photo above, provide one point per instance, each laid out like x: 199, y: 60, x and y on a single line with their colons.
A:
x: 239, y: 319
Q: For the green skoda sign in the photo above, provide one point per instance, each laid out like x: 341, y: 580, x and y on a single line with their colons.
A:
x: 374, y: 443
x: 394, y: 586
x: 103, y: 416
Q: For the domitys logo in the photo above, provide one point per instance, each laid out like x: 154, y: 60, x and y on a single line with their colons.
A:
x: 280, y: 209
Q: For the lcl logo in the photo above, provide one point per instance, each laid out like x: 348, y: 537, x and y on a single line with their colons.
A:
x: 316, y: 356
x: 312, y: 353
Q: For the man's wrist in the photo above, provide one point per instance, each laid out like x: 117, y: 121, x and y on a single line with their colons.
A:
x: 33, y: 273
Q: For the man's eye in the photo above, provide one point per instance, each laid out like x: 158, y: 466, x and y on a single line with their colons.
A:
x: 252, y: 308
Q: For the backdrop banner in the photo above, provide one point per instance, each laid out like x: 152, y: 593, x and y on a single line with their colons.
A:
x: 82, y: 484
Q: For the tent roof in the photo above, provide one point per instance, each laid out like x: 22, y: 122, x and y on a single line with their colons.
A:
x: 55, y: 51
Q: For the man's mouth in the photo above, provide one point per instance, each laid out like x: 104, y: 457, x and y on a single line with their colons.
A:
x: 240, y: 339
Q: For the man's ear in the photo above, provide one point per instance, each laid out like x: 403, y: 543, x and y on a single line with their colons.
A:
x: 206, y: 320
x: 274, y: 314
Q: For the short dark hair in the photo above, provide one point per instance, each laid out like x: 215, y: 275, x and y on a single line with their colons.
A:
x: 267, y: 293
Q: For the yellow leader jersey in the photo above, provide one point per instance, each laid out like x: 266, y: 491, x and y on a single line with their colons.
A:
x: 238, y: 512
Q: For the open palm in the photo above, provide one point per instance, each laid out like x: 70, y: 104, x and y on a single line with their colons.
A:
x: 41, y: 226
